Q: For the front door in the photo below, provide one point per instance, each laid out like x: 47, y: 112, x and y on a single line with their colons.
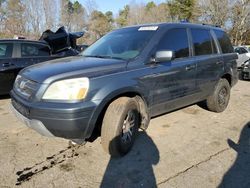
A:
x: 174, y: 80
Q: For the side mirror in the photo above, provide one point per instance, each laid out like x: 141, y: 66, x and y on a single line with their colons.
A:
x: 165, y: 55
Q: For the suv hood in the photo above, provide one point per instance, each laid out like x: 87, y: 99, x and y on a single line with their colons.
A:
x: 76, y: 66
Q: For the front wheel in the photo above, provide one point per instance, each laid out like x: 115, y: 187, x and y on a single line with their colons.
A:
x: 219, y: 100
x: 120, y: 126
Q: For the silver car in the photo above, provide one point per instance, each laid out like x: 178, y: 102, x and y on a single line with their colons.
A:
x: 243, y: 54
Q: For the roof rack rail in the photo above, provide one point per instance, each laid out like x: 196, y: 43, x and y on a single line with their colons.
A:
x: 211, y: 25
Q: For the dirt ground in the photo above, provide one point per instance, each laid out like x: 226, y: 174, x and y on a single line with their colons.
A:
x: 187, y: 148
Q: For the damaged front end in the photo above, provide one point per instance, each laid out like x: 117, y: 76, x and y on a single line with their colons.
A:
x: 62, y: 42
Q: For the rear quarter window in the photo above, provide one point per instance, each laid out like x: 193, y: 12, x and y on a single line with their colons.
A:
x: 6, y: 50
x: 31, y: 50
x: 224, y: 42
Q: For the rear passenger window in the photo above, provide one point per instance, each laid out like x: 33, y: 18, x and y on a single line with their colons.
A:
x: 175, y: 40
x: 30, y: 50
x: 203, y: 42
x: 224, y: 41
x: 6, y: 50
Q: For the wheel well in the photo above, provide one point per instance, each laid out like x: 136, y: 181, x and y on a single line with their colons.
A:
x: 228, y: 78
x: 97, y: 130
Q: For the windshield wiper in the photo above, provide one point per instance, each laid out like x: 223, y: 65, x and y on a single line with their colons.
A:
x: 104, y: 57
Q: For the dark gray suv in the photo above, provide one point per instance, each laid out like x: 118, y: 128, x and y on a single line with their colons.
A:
x: 127, y: 77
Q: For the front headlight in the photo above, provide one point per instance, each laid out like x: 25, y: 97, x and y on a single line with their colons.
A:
x: 70, y: 89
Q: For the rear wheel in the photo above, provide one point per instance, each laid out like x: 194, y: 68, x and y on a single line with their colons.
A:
x: 219, y: 100
x: 120, y: 126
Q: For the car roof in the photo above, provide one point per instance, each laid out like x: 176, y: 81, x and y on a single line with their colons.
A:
x: 23, y: 40
x: 169, y: 24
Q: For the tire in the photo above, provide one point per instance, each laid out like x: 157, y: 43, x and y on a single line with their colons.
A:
x: 219, y: 100
x: 120, y: 126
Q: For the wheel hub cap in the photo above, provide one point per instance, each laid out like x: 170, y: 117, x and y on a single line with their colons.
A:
x: 128, y: 126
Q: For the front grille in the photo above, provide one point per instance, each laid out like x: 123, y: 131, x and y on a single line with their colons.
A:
x: 25, y: 87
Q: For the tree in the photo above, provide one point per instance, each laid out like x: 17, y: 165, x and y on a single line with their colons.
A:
x: 156, y: 13
x: 150, y: 5
x: 240, y: 19
x: 49, y: 8
x: 2, y: 11
x: 182, y: 9
x: 66, y: 13
x: 15, y: 20
x: 78, y: 19
x: 122, y: 19
x: 136, y: 14
x: 34, y: 16
x: 90, y: 6
x: 213, y: 13
x: 72, y: 15
x: 99, y: 25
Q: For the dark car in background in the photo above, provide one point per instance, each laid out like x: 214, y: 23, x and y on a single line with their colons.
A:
x: 16, y: 54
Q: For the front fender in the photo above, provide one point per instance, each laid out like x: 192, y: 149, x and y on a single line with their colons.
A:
x: 103, y: 92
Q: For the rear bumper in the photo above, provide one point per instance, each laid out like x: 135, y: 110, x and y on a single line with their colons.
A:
x: 70, y: 121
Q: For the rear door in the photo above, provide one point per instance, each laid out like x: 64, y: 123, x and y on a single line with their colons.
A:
x: 7, y: 67
x: 227, y: 54
x: 209, y: 62
x: 174, y: 80
x: 32, y: 53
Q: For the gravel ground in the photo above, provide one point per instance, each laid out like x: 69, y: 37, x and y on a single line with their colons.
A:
x: 190, y: 147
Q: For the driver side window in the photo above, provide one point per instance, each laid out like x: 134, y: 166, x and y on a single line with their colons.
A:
x: 175, y: 40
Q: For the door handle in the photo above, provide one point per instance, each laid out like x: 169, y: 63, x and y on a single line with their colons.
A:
x: 219, y: 62
x: 190, y: 67
x: 7, y: 64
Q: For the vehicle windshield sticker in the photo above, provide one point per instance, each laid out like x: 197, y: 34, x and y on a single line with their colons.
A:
x: 148, y: 28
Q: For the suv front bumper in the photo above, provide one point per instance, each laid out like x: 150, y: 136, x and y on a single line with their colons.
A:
x: 70, y: 121
x: 34, y: 124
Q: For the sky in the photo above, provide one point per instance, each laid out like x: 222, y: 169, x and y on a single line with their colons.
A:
x: 116, y: 5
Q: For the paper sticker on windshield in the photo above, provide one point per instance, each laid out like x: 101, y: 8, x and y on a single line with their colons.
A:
x: 148, y: 28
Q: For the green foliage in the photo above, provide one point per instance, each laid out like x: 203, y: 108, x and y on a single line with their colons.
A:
x: 181, y: 9
x: 122, y: 19
x: 150, y: 5
x: 100, y: 24
x: 110, y: 17
x: 77, y: 7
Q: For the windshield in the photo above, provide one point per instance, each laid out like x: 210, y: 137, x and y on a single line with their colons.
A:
x: 122, y: 44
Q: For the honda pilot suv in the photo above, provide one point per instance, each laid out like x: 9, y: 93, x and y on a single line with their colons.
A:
x: 123, y: 80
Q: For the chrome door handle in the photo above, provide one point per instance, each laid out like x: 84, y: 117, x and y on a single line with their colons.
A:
x: 7, y: 64
x: 219, y: 62
x: 190, y: 67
